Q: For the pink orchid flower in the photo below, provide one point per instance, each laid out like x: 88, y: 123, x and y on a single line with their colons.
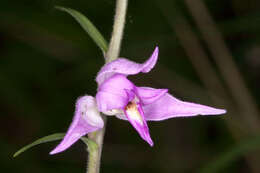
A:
x: 120, y: 97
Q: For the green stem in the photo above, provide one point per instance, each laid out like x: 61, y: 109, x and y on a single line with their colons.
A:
x: 92, y: 162
x: 93, y: 165
x: 118, y: 28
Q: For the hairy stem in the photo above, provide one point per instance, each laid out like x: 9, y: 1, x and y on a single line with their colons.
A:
x: 93, y: 165
x: 119, y: 23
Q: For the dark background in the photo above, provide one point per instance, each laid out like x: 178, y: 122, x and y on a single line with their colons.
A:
x: 47, y: 61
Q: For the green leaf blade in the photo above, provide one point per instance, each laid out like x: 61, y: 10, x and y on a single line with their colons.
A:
x: 88, y: 26
x: 54, y: 137
x: 49, y: 138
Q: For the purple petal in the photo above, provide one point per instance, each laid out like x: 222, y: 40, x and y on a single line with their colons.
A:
x: 107, y: 101
x: 86, y: 119
x: 149, y: 95
x: 126, y: 67
x: 112, y: 93
x: 135, y: 116
x: 170, y: 107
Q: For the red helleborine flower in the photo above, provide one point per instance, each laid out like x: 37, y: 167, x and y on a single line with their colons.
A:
x: 120, y: 97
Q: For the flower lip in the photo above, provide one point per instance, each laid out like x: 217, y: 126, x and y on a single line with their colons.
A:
x: 135, y: 115
x: 131, y: 109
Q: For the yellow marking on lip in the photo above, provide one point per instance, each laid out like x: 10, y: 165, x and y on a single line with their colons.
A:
x: 133, y: 113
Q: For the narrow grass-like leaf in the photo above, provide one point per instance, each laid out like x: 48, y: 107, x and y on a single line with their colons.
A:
x: 234, y: 153
x: 88, y: 26
x: 45, y: 139
x: 54, y: 137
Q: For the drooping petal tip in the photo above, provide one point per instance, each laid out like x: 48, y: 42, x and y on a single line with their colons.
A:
x: 149, y: 141
x: 66, y: 143
x: 135, y: 115
x: 150, y: 63
x: 86, y: 119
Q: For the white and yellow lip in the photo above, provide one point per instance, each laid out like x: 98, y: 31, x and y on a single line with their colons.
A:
x: 134, y: 113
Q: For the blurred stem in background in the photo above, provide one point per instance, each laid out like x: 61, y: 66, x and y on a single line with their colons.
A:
x: 245, y: 106
x: 112, y: 54
x: 224, y: 61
